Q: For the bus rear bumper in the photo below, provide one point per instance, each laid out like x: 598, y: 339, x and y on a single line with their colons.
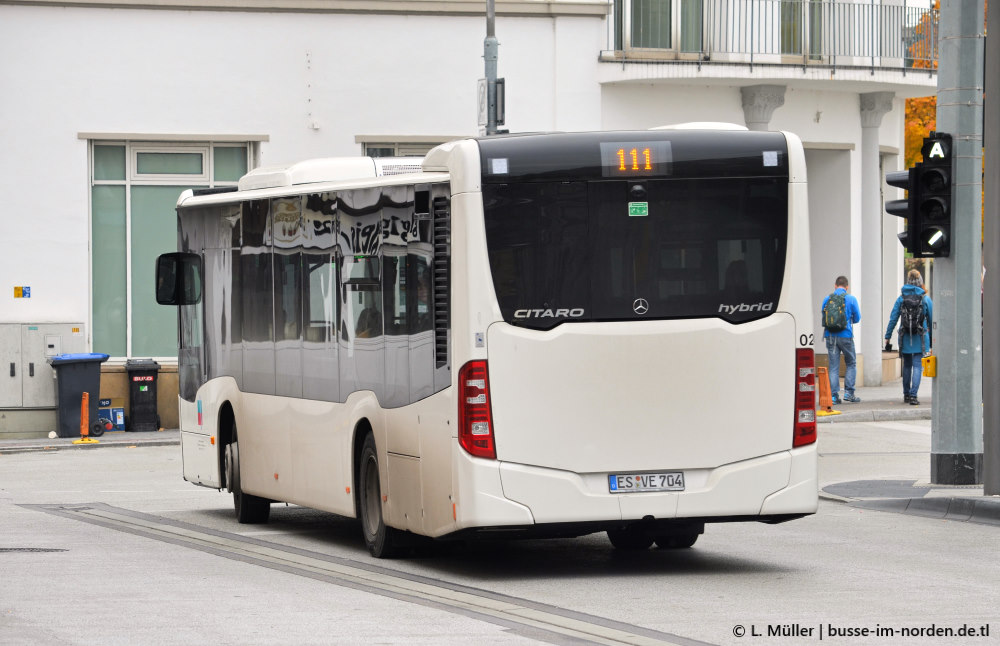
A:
x: 778, y: 485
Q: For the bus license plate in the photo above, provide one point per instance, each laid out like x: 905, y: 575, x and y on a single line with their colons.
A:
x: 632, y: 482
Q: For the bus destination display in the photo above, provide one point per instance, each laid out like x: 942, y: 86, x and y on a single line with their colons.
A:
x: 635, y: 158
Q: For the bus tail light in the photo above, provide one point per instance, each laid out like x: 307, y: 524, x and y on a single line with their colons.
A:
x: 475, y: 425
x: 805, y: 397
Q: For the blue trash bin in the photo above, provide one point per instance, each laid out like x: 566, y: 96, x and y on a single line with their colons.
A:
x: 76, y: 374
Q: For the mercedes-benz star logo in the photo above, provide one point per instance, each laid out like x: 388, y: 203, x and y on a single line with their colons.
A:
x: 640, y: 306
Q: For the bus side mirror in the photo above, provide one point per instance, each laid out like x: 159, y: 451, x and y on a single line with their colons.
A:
x: 178, y: 279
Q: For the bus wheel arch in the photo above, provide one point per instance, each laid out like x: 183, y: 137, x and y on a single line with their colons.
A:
x: 362, y: 430
x: 223, y: 437
x: 381, y: 540
x: 249, y: 509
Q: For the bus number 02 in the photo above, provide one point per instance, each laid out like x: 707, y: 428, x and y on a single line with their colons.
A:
x: 806, y: 339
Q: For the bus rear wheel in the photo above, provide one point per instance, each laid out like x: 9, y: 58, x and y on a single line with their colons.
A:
x: 630, y: 538
x: 249, y: 509
x: 382, y: 541
x: 679, y: 539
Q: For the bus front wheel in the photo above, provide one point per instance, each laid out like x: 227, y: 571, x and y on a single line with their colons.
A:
x: 382, y: 541
x: 249, y: 509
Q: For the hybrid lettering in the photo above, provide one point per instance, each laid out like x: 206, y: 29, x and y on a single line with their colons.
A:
x: 743, y: 308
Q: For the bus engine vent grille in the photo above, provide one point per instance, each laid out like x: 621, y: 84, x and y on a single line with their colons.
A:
x: 441, y: 212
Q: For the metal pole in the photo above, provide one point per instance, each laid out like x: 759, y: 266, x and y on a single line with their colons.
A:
x: 957, y: 426
x: 991, y: 260
x: 490, y: 54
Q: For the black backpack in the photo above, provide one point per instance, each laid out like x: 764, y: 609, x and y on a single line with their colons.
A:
x: 835, y: 313
x: 911, y: 315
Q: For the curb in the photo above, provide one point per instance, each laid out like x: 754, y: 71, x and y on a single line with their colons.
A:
x: 892, y: 496
x: 877, y: 415
x: 117, y: 439
x: 49, y: 448
x: 985, y: 511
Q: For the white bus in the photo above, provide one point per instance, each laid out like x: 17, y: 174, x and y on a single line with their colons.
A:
x: 525, y: 335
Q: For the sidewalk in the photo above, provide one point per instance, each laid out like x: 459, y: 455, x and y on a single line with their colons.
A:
x: 882, y: 404
x: 915, y: 495
x: 120, y: 439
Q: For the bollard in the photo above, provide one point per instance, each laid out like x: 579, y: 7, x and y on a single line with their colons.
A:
x: 85, y: 421
x: 825, y: 398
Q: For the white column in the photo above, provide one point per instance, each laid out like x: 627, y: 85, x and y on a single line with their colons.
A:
x: 760, y: 102
x: 874, y: 105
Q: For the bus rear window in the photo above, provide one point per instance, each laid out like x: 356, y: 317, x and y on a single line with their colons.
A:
x: 643, y: 249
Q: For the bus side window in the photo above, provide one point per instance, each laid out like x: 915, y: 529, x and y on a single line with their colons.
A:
x: 394, y: 294
x: 422, y: 318
x: 369, y: 323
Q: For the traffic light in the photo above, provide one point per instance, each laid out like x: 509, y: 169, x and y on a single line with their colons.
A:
x: 934, y: 188
x: 904, y: 208
x: 928, y: 204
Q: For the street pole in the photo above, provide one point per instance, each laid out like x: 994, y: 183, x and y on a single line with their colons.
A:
x: 957, y: 425
x: 490, y: 53
x: 991, y: 260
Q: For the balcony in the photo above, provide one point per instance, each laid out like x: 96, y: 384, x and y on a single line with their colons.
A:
x: 820, y: 36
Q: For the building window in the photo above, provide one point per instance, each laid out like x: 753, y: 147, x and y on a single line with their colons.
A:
x: 134, y: 191
x: 651, y: 24
x: 660, y: 24
x: 397, y: 149
x: 170, y: 166
x: 802, y: 28
x: 401, y: 145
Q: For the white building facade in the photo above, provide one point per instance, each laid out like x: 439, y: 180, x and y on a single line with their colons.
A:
x: 110, y: 108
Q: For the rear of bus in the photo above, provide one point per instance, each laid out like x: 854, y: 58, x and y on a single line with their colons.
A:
x: 637, y: 351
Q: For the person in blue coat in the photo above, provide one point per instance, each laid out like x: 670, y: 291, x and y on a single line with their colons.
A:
x: 912, y: 346
x: 841, y: 342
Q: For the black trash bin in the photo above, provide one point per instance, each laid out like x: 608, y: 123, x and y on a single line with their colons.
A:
x: 77, y: 374
x: 142, y: 378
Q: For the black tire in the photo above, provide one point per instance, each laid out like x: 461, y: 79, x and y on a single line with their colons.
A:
x: 383, y: 542
x: 630, y: 538
x: 250, y: 510
x: 97, y: 430
x: 678, y: 540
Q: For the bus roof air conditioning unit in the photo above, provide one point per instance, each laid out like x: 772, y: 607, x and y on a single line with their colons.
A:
x: 328, y: 169
x: 702, y: 125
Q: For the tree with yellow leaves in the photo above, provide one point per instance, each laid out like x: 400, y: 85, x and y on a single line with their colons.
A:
x: 921, y: 112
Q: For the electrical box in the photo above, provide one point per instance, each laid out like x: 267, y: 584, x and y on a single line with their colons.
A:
x: 929, y: 364
x: 26, y: 378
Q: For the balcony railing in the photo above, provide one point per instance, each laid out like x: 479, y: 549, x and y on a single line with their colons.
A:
x: 844, y: 33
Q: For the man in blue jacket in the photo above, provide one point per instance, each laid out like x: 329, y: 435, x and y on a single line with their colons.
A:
x: 914, y: 311
x: 841, y: 341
